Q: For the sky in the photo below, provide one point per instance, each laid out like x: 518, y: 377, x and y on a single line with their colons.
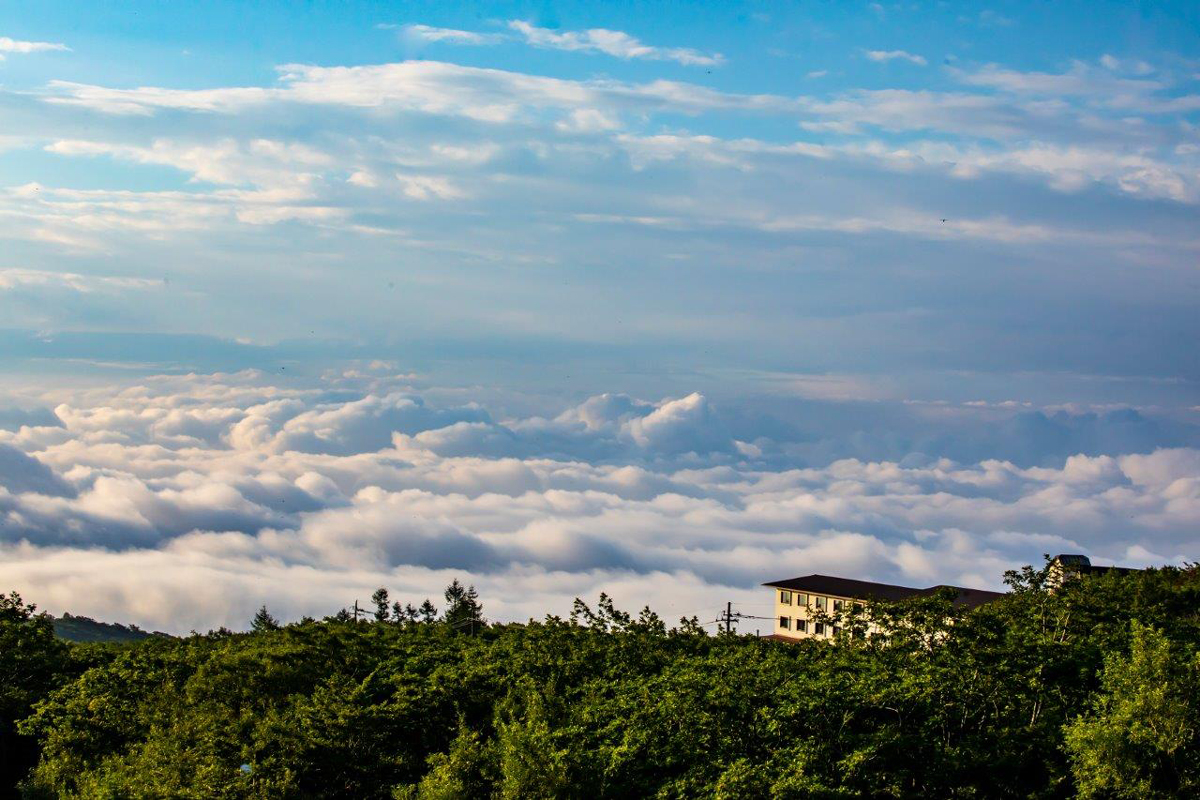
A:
x: 297, y: 300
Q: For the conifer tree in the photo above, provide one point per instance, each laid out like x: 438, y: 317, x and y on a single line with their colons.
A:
x: 263, y: 621
x: 464, y: 612
x: 380, y: 599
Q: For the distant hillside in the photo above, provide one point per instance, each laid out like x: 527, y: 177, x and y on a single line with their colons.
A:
x: 85, y: 629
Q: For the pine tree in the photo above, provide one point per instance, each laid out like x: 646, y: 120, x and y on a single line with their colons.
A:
x: 263, y: 621
x: 464, y: 612
x: 427, y: 611
x: 380, y: 599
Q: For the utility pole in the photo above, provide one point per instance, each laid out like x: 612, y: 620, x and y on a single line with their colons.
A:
x: 356, y: 611
x: 728, y: 617
x: 731, y: 617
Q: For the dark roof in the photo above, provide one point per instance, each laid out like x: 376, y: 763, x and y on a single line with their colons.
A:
x: 1098, y: 569
x: 1075, y: 562
x: 868, y: 590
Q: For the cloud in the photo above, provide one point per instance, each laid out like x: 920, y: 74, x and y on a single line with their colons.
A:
x: 231, y: 492
x: 428, y: 33
x: 20, y: 473
x: 893, y: 55
x: 434, y: 87
x: 8, y: 45
x: 614, y: 43
x: 428, y: 197
x: 14, y: 279
x: 685, y: 425
x: 1080, y: 80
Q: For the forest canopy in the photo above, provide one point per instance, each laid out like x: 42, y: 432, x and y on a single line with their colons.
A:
x: 1088, y: 690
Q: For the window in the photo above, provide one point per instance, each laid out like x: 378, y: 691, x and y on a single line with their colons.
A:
x: 819, y: 602
x: 785, y: 598
x: 785, y: 622
x: 837, y: 605
x: 801, y: 599
x: 801, y: 626
x: 834, y: 630
x: 819, y: 628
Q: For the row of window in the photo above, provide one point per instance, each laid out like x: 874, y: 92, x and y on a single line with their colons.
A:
x: 818, y: 602
x: 802, y: 625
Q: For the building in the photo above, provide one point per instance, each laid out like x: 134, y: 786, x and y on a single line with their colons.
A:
x: 1069, y: 566
x: 799, y: 600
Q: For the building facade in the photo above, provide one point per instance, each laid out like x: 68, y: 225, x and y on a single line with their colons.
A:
x: 802, y: 605
x: 1067, y: 566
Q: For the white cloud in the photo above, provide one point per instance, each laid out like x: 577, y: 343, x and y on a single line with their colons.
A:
x: 189, y: 501
x: 614, y: 43
x: 8, y: 45
x: 893, y: 55
x: 428, y: 33
x: 1080, y: 80
x: 432, y: 87
x: 15, y: 278
x: 429, y: 187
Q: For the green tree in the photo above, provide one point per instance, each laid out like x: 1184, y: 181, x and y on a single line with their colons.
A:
x: 1141, y: 738
x: 535, y: 759
x: 32, y: 663
x: 467, y: 769
x: 380, y: 599
x: 464, y: 612
x: 263, y: 621
x: 1045, y: 693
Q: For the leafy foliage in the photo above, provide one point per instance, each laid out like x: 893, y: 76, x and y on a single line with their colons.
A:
x: 32, y: 663
x: 1085, y: 690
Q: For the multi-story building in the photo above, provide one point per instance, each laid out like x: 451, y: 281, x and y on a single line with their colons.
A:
x: 1067, y: 566
x: 804, y: 607
x: 802, y: 604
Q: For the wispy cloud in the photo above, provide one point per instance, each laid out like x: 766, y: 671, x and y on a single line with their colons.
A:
x: 894, y: 55
x: 1082, y: 79
x: 614, y: 43
x: 428, y: 33
x: 430, y: 86
x: 8, y: 45
x: 15, y: 278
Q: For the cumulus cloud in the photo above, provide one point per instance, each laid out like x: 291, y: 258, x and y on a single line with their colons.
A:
x: 20, y: 473
x: 214, y: 494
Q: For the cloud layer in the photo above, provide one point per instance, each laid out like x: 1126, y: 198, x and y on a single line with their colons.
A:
x: 975, y: 217
x: 188, y: 501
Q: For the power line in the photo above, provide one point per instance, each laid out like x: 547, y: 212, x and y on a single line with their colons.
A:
x: 730, y: 617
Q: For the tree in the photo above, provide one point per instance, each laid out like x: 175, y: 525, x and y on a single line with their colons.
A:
x: 380, y: 599
x: 464, y: 612
x: 263, y: 621
x: 1041, y: 694
x: 405, y: 614
x: 32, y: 663
x: 1142, y: 737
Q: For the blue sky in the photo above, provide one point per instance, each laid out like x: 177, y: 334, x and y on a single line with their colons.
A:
x: 718, y: 185
x: 715, y: 244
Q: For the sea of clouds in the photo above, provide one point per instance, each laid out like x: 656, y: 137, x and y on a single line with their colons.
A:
x: 182, y: 502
